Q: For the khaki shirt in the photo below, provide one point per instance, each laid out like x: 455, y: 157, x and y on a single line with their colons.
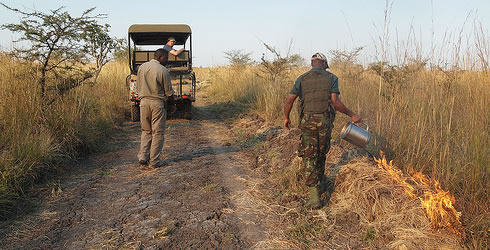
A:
x: 153, y: 81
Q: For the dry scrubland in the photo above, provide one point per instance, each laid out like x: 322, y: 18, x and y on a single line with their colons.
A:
x: 433, y: 121
x: 38, y: 135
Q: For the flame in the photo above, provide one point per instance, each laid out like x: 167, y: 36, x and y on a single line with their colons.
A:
x: 438, y: 203
x: 396, y: 174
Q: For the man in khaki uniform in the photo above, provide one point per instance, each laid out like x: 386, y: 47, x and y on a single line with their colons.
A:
x: 319, y: 93
x: 154, y: 88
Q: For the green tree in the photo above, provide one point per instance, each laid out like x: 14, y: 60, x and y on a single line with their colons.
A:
x: 59, y: 44
x: 121, y: 50
x: 100, y: 46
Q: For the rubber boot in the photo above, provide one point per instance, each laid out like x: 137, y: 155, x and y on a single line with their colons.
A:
x: 314, y: 202
x: 322, y: 188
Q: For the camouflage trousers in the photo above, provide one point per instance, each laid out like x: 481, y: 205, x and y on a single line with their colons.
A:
x: 314, y: 145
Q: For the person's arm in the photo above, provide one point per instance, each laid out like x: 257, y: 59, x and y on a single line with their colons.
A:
x: 171, y: 104
x: 337, y: 103
x: 169, y: 91
x: 287, y: 110
x: 167, y: 83
x: 176, y: 52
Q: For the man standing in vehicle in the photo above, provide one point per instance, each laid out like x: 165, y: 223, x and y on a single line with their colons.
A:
x: 319, y: 95
x: 170, y: 47
x: 154, y: 88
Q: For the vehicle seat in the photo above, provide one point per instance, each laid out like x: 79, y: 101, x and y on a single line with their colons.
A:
x: 178, y: 63
x: 141, y: 57
x: 175, y: 63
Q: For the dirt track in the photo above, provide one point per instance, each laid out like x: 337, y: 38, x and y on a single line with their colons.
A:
x: 109, y: 202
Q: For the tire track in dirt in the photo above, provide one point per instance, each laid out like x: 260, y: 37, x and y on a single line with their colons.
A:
x: 199, y: 200
x: 235, y: 165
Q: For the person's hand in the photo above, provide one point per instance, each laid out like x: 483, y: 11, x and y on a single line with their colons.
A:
x: 287, y: 123
x: 356, y: 118
x: 173, y: 108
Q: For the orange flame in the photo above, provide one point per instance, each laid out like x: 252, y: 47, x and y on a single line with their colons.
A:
x: 438, y: 204
x: 396, y: 174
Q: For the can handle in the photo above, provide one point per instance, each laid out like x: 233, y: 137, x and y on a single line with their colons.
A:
x: 367, y: 126
x: 365, y: 123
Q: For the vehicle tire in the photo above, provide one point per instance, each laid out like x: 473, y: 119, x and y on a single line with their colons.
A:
x: 187, y: 110
x: 135, y: 112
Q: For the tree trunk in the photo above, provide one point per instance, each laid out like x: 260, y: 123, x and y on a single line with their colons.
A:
x: 42, y: 82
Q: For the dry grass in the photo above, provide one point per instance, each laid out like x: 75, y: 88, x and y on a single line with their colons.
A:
x: 369, y: 208
x: 430, y: 120
x: 386, y: 214
x: 437, y: 122
x: 244, y: 85
x: 36, y: 136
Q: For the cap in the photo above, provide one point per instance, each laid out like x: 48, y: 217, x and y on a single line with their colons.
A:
x: 171, y: 39
x: 319, y: 56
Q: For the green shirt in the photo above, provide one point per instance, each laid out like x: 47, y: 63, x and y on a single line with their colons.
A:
x: 334, y: 87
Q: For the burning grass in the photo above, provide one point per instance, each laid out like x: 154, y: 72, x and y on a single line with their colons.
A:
x: 371, y: 208
x: 437, y: 203
x: 372, y: 204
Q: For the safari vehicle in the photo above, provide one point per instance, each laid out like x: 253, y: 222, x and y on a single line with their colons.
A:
x: 146, y: 38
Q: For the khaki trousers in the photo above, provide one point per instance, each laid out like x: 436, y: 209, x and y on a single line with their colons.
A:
x: 153, y: 117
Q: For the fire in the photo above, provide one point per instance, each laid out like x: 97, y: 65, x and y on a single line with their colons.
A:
x: 438, y: 204
x: 396, y: 174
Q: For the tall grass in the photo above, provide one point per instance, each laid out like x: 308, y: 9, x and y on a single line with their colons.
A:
x: 37, y: 137
x: 433, y: 120
x: 246, y: 86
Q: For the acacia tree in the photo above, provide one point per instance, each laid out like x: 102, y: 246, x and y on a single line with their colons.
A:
x: 57, y: 43
x: 101, y: 46
x: 238, y: 58
x: 121, y: 50
x: 274, y: 69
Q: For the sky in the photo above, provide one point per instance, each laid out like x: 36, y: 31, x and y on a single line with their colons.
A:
x: 304, y: 26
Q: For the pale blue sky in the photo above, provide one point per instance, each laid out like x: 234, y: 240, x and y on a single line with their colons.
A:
x: 313, y: 26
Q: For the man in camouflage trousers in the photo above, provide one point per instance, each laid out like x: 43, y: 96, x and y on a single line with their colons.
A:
x: 318, y: 92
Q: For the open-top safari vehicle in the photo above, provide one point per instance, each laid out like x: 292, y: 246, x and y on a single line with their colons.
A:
x: 146, y: 38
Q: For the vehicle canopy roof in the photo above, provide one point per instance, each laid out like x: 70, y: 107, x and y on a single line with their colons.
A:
x: 158, y: 34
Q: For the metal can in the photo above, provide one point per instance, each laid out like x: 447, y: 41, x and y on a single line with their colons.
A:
x: 355, y: 134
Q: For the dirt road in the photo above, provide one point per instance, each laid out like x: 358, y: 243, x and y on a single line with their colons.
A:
x: 107, y: 201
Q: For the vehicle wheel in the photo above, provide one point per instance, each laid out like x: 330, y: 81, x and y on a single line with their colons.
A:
x: 187, y: 110
x: 135, y: 112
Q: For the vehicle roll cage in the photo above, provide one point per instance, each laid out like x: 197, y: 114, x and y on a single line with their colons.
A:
x: 157, y: 34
